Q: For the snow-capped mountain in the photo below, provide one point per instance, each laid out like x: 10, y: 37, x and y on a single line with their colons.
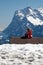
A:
x: 27, y: 17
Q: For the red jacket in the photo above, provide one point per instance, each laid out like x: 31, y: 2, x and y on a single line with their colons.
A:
x: 29, y: 33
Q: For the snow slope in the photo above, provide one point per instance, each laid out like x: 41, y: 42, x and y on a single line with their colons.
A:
x: 27, y: 17
x: 28, y: 54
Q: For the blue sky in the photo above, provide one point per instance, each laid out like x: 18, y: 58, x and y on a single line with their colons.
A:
x: 8, y: 7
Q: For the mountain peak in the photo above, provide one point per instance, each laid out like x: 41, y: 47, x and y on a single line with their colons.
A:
x: 32, y: 18
x: 40, y: 8
x: 24, y: 11
x: 27, y: 8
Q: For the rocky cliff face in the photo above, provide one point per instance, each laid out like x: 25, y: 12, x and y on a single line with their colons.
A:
x: 27, y: 17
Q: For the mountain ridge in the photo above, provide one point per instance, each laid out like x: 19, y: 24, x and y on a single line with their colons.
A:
x: 27, y: 17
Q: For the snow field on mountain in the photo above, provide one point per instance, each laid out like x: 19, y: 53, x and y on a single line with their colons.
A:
x: 35, y: 21
x: 21, y: 54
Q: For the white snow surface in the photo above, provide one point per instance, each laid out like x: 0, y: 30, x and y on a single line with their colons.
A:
x: 20, y: 14
x: 36, y: 21
x: 41, y: 10
x: 21, y: 54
